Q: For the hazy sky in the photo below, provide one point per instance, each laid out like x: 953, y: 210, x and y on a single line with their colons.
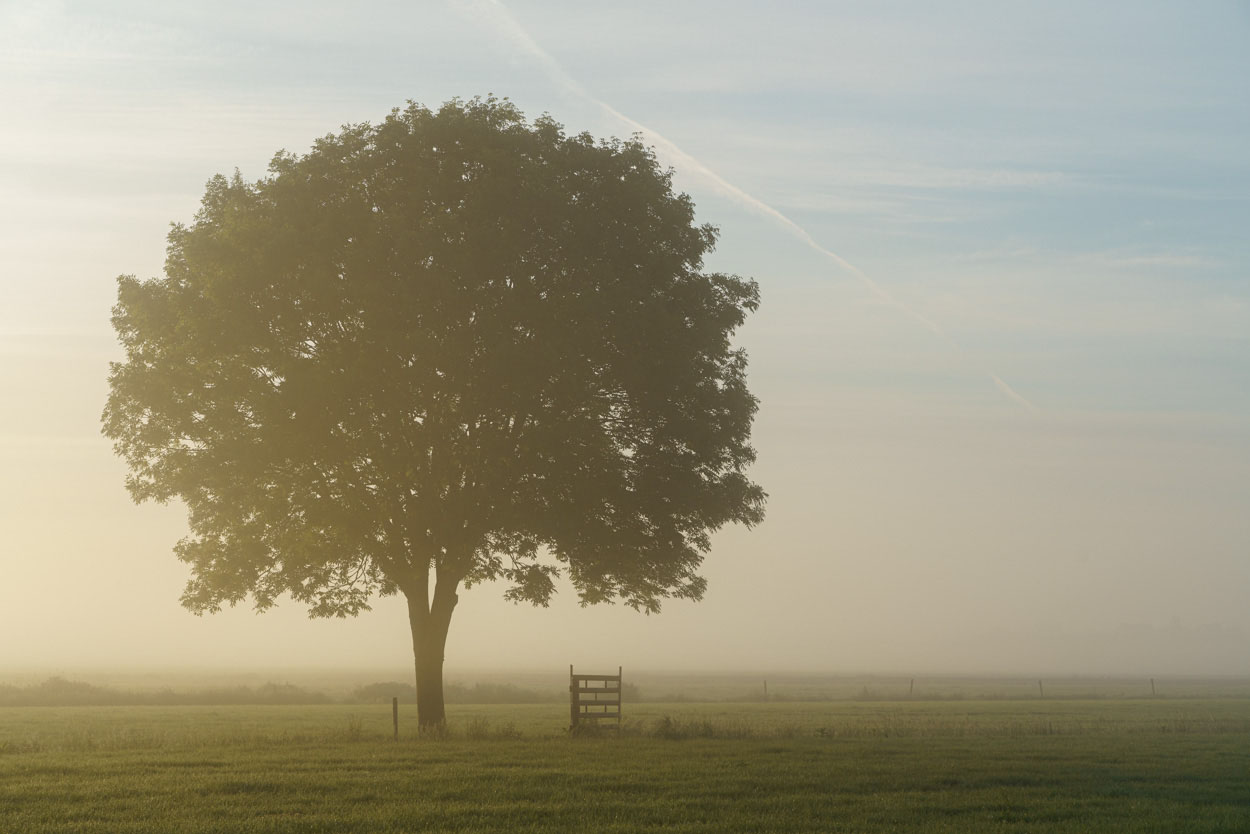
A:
x: 1005, y: 383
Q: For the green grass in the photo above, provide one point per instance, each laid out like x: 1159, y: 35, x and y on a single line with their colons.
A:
x: 1009, y: 766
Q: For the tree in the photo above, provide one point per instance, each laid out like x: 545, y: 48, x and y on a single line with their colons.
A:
x: 449, y: 348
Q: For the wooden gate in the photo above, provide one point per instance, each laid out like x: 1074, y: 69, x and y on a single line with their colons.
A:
x: 594, y: 698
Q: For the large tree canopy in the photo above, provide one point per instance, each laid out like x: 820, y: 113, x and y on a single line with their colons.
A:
x: 452, y: 347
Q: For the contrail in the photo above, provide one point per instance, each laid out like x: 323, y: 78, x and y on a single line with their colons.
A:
x: 1013, y: 395
x: 510, y: 28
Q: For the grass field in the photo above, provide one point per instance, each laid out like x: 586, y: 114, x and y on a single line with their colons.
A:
x: 999, y: 766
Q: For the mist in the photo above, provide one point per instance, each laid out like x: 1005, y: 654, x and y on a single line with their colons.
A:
x: 920, y: 521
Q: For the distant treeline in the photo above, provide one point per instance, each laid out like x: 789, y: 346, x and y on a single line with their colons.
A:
x: 479, y: 693
x: 455, y: 693
x: 59, y: 692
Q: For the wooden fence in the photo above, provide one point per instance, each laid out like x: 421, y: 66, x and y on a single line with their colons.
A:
x: 594, y: 698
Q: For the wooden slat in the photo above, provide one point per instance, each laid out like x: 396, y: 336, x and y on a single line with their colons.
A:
x: 597, y: 715
x: 596, y: 677
x: 581, y: 702
x: 601, y: 689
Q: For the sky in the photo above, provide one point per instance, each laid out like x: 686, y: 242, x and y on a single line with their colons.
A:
x: 1003, y: 352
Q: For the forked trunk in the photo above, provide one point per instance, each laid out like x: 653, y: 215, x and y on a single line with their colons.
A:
x: 429, y: 638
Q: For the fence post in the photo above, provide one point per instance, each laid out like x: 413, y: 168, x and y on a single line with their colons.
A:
x: 573, y: 709
x: 395, y: 715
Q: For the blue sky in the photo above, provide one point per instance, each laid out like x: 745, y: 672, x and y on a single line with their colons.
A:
x: 1054, y: 195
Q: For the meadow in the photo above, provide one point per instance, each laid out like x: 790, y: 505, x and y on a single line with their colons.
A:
x: 1130, y: 765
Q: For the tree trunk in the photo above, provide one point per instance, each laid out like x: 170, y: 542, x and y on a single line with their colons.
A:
x: 429, y: 622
